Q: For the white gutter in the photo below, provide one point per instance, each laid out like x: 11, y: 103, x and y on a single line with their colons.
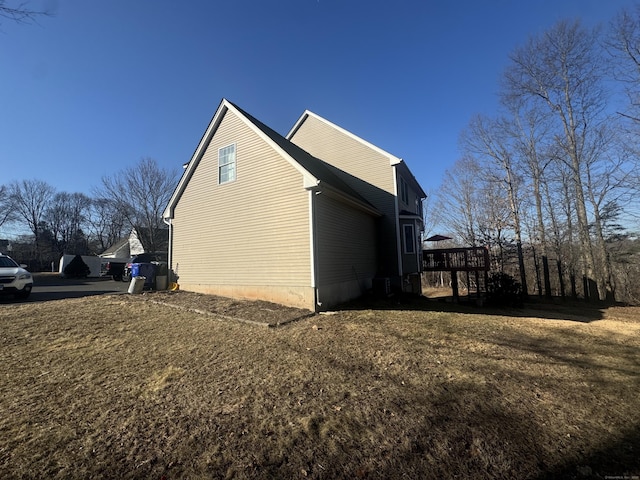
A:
x: 168, y: 221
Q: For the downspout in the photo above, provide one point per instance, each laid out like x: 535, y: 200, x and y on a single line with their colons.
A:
x: 418, y: 239
x: 170, y: 247
x: 314, y: 249
x: 397, y: 220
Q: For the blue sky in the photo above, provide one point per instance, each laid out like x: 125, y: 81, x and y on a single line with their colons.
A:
x: 91, y: 90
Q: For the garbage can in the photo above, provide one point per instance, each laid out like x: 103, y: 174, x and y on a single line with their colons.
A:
x: 136, y: 285
x: 135, y: 270
x: 147, y: 270
x: 162, y: 270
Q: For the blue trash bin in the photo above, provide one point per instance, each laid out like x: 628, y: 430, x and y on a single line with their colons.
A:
x: 135, y: 270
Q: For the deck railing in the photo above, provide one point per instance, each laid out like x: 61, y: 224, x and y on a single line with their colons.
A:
x: 471, y: 259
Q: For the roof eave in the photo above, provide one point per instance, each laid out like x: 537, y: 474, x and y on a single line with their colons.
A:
x: 298, y: 124
x: 357, y: 203
x: 421, y: 192
x: 195, y: 158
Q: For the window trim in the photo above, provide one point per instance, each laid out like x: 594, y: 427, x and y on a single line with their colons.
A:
x: 412, y: 232
x: 221, y: 165
x: 404, y: 191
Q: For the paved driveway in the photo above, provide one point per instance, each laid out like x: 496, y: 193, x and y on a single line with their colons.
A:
x: 47, y: 286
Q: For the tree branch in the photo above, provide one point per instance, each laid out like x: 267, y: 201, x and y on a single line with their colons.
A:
x: 20, y: 13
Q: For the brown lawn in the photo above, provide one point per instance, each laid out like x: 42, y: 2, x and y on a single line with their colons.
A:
x: 130, y: 387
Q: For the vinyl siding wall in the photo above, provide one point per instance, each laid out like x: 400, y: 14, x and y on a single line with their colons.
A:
x: 248, y: 238
x: 346, y: 250
x: 368, y: 172
x: 413, y: 197
x: 346, y: 153
x: 411, y: 263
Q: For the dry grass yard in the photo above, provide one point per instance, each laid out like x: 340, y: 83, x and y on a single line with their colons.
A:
x: 125, y: 386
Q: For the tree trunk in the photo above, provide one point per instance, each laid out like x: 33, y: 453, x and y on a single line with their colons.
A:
x: 603, y: 254
x: 545, y: 273
x: 586, y: 250
x: 541, y: 231
x: 605, y: 282
x: 560, y: 278
x: 537, y: 270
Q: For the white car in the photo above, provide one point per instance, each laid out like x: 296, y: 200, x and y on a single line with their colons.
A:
x: 14, y: 279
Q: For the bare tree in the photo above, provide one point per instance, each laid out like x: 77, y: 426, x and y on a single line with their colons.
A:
x: 20, y: 12
x: 106, y: 223
x: 458, y: 200
x: 562, y: 70
x: 430, y: 214
x: 529, y: 129
x: 66, y: 216
x: 7, y: 211
x: 495, y: 222
x: 623, y: 44
x: 607, y: 175
x: 489, y: 140
x: 140, y: 194
x: 31, y: 199
x: 559, y: 205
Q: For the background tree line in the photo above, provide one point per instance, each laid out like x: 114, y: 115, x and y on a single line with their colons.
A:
x: 551, y: 182
x: 57, y: 222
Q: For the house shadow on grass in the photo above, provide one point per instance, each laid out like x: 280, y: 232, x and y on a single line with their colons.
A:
x: 462, y: 428
x: 551, y: 309
x: 619, y: 460
x: 492, y: 419
x: 472, y: 433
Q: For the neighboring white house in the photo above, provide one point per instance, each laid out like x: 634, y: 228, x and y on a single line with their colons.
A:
x: 129, y: 246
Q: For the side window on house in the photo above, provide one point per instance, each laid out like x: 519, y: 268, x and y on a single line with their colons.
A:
x: 409, y: 237
x: 227, y: 164
x: 404, y: 191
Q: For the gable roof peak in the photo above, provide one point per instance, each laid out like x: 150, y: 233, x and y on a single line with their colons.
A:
x: 313, y: 170
x: 393, y: 160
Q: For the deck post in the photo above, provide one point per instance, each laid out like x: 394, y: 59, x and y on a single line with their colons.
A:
x: 454, y: 286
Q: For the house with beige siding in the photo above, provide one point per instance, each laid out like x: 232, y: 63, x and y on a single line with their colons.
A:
x: 260, y: 216
x: 385, y: 181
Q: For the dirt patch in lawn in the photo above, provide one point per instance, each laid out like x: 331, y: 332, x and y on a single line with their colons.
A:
x: 124, y: 386
x: 257, y: 312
